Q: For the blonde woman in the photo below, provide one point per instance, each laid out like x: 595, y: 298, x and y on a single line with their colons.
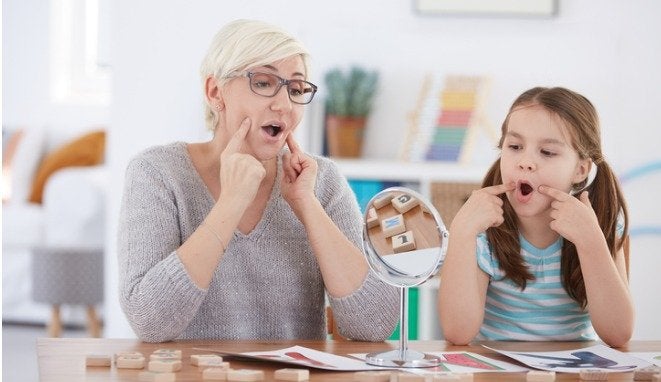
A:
x: 243, y: 236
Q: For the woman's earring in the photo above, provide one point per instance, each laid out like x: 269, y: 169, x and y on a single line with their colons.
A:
x: 218, y: 107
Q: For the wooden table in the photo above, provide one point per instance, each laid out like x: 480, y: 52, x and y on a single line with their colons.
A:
x: 63, y: 359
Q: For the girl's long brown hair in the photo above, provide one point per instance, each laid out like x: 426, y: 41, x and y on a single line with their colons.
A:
x: 582, y: 122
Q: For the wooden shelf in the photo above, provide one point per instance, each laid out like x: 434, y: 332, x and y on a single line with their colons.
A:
x: 409, y: 171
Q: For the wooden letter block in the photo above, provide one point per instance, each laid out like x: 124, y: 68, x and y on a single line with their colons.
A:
x: 646, y: 373
x: 169, y: 352
x: 403, y: 242
x: 245, y: 375
x: 593, y: 375
x: 382, y: 201
x: 98, y: 360
x: 445, y: 376
x: 465, y: 377
x: 393, y: 225
x: 540, y: 376
x: 127, y: 353
x: 407, y: 377
x: 166, y: 365
x: 195, y: 359
x: 404, y: 203
x: 292, y: 375
x: 372, y: 218
x: 150, y: 376
x: 372, y: 376
x: 214, y: 374
x: 130, y: 362
x: 213, y: 363
x: 163, y: 357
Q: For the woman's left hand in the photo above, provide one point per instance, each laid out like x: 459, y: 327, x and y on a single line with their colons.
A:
x: 573, y: 218
x: 299, y: 175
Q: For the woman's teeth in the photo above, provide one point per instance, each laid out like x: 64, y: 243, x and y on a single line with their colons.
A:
x: 272, y: 130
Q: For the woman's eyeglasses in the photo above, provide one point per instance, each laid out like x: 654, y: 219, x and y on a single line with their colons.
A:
x: 268, y: 85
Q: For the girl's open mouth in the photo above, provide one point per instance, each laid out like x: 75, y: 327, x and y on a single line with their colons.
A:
x: 524, y: 191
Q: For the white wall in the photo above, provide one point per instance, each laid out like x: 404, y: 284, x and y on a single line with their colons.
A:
x: 26, y: 75
x: 606, y: 49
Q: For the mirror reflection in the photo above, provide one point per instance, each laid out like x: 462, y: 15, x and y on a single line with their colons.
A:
x: 404, y: 237
x: 405, y: 242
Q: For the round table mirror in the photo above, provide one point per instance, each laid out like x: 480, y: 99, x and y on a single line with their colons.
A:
x: 405, y: 242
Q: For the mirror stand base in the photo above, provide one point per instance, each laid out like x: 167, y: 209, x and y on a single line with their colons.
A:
x: 407, y: 358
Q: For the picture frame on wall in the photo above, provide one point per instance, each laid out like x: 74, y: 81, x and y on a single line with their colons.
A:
x: 499, y: 8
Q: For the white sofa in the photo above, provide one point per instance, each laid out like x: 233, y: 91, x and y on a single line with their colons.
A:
x: 72, y: 214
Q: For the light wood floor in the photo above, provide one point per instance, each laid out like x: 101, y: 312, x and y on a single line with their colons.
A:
x: 19, y: 352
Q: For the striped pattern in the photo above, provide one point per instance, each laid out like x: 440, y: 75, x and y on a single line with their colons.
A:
x: 541, y: 312
x: 456, y: 108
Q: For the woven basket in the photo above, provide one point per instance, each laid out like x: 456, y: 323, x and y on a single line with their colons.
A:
x: 448, y: 197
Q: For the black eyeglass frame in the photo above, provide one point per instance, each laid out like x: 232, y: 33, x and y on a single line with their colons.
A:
x: 281, y: 82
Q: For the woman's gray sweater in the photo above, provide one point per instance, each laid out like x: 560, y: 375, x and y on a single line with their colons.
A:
x: 267, y: 285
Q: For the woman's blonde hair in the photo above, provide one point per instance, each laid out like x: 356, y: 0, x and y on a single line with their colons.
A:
x: 243, y: 44
x: 582, y: 122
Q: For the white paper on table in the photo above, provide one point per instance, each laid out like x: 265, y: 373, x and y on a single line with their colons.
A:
x: 302, y: 356
x: 463, y: 362
x: 573, y: 361
x: 651, y: 357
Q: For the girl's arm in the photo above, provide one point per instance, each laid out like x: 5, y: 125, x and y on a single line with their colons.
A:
x: 463, y: 289
x: 606, y: 284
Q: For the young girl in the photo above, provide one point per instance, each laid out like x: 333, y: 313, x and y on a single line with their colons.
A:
x: 548, y: 234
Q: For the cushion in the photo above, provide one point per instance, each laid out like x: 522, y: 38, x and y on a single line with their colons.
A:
x: 25, y: 162
x: 10, y: 141
x: 87, y: 150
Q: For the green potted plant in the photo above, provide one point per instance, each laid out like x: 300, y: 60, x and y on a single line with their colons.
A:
x: 348, y: 103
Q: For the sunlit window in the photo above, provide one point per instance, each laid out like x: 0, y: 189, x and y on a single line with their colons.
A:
x: 79, y: 51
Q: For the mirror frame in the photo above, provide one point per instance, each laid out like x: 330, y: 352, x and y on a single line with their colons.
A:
x: 389, y: 273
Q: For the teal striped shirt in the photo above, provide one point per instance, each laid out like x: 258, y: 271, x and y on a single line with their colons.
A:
x: 541, y: 312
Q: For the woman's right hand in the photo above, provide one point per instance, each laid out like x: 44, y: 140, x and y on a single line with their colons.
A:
x: 482, y: 210
x: 240, y: 173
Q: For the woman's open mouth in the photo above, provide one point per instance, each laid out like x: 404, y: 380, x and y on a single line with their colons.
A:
x: 272, y: 130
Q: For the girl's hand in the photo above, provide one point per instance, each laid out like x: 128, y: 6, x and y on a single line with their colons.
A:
x: 482, y: 210
x: 574, y: 219
x: 299, y: 175
x: 240, y: 174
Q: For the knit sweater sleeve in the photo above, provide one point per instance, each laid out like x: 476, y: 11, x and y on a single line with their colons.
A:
x: 371, y: 312
x: 156, y: 293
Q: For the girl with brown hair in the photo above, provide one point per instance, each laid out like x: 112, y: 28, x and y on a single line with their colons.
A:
x: 548, y: 230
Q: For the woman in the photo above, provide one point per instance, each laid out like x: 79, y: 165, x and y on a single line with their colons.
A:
x: 236, y: 238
